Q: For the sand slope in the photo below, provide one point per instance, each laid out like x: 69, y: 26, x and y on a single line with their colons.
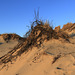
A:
x: 45, y: 60
x: 8, y: 42
x: 6, y: 47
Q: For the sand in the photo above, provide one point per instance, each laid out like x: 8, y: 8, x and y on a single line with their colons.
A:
x: 6, y: 47
x: 42, y: 61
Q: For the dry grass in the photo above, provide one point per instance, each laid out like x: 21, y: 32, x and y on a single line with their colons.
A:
x: 36, y: 35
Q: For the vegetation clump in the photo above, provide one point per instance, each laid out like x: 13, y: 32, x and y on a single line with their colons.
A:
x: 38, y: 33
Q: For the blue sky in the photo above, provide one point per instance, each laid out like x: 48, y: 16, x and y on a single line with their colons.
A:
x: 15, y: 15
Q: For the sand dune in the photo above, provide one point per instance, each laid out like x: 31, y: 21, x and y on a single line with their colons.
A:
x: 54, y: 56
x: 40, y: 61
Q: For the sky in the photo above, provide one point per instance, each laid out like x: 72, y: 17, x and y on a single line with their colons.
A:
x: 16, y: 15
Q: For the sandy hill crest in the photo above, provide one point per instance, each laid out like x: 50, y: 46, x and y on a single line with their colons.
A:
x: 7, y: 37
x: 69, y: 26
